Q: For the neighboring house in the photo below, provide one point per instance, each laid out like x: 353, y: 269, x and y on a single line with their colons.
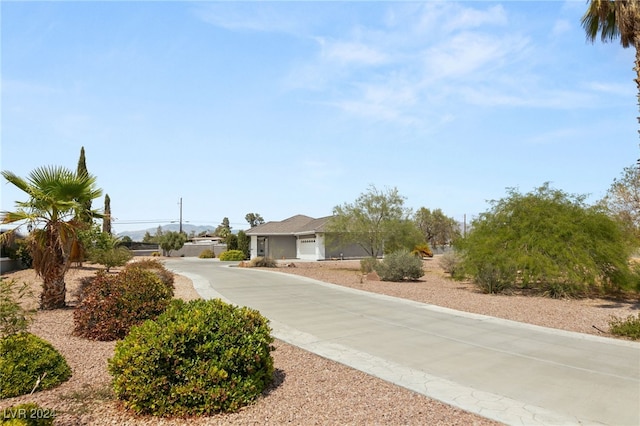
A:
x: 298, y: 237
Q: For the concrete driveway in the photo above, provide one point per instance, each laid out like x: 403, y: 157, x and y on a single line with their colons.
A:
x: 511, y: 372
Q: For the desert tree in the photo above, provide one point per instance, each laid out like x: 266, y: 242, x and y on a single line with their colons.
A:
x: 172, y: 241
x: 377, y: 220
x: 548, y: 241
x: 254, y: 219
x: 224, y: 229
x: 437, y: 228
x: 56, y: 196
x: 623, y: 199
x: 148, y: 238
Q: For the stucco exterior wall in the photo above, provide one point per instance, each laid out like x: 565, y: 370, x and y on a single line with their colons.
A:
x: 344, y: 251
x: 194, y: 250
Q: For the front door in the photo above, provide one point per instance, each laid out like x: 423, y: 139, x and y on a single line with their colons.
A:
x: 262, y: 246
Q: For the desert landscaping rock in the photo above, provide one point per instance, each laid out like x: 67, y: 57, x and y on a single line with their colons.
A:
x: 308, y: 389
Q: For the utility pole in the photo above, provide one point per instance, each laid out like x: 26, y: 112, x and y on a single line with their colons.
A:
x: 464, y: 232
x: 181, y: 215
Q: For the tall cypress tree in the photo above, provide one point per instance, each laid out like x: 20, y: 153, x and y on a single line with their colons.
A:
x: 106, y: 219
x: 85, y: 215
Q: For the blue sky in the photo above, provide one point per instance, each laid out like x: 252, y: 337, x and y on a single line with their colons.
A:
x: 285, y: 108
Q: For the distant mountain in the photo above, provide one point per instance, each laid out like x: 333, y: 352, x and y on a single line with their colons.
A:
x: 139, y: 235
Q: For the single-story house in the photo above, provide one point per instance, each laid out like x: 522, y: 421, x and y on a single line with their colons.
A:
x: 298, y: 237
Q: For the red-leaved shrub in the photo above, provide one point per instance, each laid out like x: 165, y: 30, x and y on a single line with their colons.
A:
x: 112, y: 304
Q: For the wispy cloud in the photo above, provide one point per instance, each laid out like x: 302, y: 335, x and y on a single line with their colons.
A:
x: 414, y: 54
x: 24, y: 87
x: 350, y: 53
x: 464, y: 18
x: 488, y: 96
x: 468, y: 53
x: 415, y: 57
x: 253, y: 16
x: 319, y: 175
x: 561, y: 27
x: 609, y: 88
x: 556, y: 136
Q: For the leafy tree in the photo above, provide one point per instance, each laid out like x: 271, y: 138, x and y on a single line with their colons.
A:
x: 232, y: 242
x: 546, y: 240
x: 623, y: 199
x: 105, y: 249
x: 155, y: 238
x: 172, y: 241
x: 147, y: 238
x: 106, y: 220
x: 244, y: 244
x: 254, y: 219
x: 404, y: 235
x: 436, y: 227
x: 224, y: 229
x: 56, y: 196
x: 126, y: 239
x: 372, y: 221
x: 613, y: 19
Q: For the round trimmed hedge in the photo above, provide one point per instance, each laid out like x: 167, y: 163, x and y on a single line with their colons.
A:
x: 231, y: 255
x: 24, y: 359
x: 197, y: 358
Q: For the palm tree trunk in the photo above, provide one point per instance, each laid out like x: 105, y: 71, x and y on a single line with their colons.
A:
x: 637, y: 69
x: 54, y: 289
x: 54, y: 292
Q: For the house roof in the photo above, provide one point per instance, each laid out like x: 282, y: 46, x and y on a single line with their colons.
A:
x: 295, y: 225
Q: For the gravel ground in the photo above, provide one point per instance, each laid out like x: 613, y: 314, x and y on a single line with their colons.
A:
x: 308, y: 389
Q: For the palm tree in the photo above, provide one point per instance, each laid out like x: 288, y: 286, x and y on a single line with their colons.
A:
x: 56, y: 196
x: 613, y: 19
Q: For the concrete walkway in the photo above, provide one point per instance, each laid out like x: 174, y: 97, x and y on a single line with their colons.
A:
x: 511, y: 372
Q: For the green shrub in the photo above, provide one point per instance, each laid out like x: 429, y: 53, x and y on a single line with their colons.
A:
x: 627, y: 327
x: 492, y: 280
x: 451, y: 263
x: 27, y: 362
x: 157, y: 267
x: 28, y: 414
x: 23, y: 252
x: 207, y: 254
x: 14, y: 318
x: 156, y: 254
x: 231, y: 255
x: 399, y: 266
x: 197, y: 358
x: 263, y: 262
x: 110, y: 257
x: 112, y: 304
x: 368, y: 264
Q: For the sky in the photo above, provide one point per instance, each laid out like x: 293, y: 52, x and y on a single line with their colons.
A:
x: 219, y: 109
